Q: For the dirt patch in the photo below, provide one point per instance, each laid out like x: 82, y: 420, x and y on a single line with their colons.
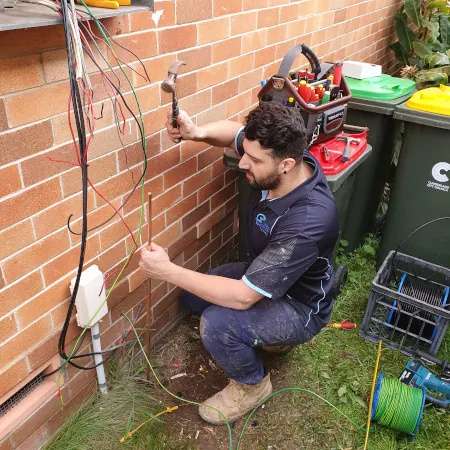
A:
x: 182, y: 352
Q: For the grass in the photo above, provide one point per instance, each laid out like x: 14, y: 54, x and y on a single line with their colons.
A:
x: 337, y: 364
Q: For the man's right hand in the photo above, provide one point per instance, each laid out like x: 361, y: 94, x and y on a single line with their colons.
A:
x: 187, y: 130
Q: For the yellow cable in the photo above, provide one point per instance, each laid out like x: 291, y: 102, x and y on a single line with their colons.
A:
x: 371, y: 395
x: 168, y: 410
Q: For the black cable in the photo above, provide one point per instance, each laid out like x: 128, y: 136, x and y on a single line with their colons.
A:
x: 127, y: 198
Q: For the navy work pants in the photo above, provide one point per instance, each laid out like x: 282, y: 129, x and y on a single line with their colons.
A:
x: 231, y: 335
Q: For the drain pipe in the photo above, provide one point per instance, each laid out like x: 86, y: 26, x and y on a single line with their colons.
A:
x: 98, y: 358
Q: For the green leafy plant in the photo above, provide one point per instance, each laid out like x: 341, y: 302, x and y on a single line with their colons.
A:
x: 423, y: 46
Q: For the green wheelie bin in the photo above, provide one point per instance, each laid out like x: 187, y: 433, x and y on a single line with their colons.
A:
x: 422, y: 186
x: 372, y: 105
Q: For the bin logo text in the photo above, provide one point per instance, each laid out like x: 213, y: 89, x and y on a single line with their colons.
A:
x: 440, y: 172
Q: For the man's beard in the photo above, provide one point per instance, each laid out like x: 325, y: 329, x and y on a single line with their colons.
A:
x: 268, y: 183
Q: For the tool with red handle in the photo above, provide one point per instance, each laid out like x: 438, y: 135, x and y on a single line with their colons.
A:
x: 344, y: 325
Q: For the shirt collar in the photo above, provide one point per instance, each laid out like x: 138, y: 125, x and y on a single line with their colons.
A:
x: 280, y: 205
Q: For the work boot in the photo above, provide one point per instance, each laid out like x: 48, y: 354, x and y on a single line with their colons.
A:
x: 235, y: 401
x: 278, y: 349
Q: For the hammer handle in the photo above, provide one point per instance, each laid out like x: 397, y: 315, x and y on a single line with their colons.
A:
x: 346, y: 154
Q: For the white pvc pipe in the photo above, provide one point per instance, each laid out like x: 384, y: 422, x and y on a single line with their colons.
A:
x: 97, y: 348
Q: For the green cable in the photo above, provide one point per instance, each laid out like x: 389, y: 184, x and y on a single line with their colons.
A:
x: 399, y: 406
x: 230, y: 433
x: 307, y: 391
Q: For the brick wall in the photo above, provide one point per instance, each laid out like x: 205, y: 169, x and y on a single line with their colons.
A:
x: 228, y: 46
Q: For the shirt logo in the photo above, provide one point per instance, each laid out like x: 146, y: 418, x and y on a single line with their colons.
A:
x: 262, y: 224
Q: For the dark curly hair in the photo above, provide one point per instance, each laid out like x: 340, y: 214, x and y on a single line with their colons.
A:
x: 278, y: 128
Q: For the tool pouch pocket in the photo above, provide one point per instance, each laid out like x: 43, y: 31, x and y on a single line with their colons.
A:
x: 322, y: 122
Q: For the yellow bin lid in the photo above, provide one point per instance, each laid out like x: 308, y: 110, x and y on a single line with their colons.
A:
x: 434, y: 100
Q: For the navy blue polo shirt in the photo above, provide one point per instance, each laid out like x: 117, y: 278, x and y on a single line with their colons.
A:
x: 291, y: 241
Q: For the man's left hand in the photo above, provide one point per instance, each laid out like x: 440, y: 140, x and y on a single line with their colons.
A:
x: 154, y: 262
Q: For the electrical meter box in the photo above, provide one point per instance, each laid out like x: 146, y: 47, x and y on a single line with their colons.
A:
x: 90, y: 297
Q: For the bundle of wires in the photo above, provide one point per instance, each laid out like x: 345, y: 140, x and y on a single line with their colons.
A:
x: 80, y: 41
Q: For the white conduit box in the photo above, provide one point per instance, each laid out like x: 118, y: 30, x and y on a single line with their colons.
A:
x: 89, y: 298
x: 361, y: 70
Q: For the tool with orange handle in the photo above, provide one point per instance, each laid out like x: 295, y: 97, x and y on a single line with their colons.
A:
x: 344, y: 324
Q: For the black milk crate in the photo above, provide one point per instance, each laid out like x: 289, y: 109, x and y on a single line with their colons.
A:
x: 409, y: 305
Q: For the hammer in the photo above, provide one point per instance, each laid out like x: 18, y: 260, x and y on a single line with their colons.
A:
x: 349, y: 140
x: 169, y: 86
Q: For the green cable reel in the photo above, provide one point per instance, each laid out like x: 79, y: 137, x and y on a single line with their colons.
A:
x: 397, y: 406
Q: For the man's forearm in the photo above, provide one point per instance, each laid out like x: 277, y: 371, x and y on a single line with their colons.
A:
x: 217, y: 290
x: 218, y: 134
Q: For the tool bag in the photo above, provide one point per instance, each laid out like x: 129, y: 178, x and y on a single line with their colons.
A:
x: 322, y: 122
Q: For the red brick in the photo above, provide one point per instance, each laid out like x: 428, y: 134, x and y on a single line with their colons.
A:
x: 169, y: 235
x: 196, y: 215
x: 210, y: 189
x: 240, y: 65
x: 195, y: 58
x: 166, y: 200
x: 15, y: 238
x: 149, y: 98
x: 181, y: 208
x: 209, y: 156
x: 118, y: 231
x: 265, y: 56
x: 226, y: 49
x: 223, y: 196
x: 31, y: 40
x: 225, y: 91
x: 296, y: 28
x: 209, y: 221
x: 154, y: 121
x: 182, y: 243
x: 3, y: 116
x: 186, y: 85
x: 196, y: 103
x: 18, y: 144
x: 238, y: 103
x: 20, y: 73
x: 218, y: 167
x: 29, y: 202
x: 11, y: 180
x: 179, y: 38
x: 207, y: 251
x: 187, y: 12
x: 155, y: 187
x: 255, y: 4
x: 250, y: 80
x: 11, y: 377
x: 142, y: 21
x: 268, y: 17
x: 191, y: 148
x: 254, y: 41
x: 24, y: 340
x: 165, y: 303
x: 35, y: 255
x: 218, y: 112
x: 211, y: 75
x: 180, y: 173
x: 142, y: 44
x: 117, y: 25
x: 8, y: 327
x: 276, y: 34
x: 221, y: 254
x: 197, y: 245
x: 14, y: 295
x: 243, y: 23
x: 68, y: 261
x: 213, y: 30
x: 223, y: 7
x: 129, y: 302
x: 289, y: 13
x: 197, y: 181
x: 340, y: 15
x: 132, y: 155
x: 218, y: 229
x: 164, y: 161
x: 37, y: 104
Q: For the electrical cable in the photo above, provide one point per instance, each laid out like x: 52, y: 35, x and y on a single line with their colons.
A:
x: 230, y: 433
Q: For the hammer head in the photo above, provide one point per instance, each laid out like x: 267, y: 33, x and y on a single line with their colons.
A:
x: 168, y: 85
x: 349, y: 139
